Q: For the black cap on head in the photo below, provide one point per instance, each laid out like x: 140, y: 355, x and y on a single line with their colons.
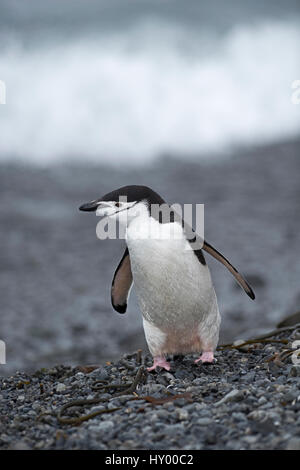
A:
x: 133, y: 193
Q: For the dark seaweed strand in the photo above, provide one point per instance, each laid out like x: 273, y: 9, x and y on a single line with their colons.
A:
x: 130, y: 389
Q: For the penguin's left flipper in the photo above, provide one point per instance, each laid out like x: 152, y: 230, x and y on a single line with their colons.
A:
x: 121, y: 284
x: 217, y: 255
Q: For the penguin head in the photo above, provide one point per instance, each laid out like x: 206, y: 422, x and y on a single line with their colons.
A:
x: 124, y: 203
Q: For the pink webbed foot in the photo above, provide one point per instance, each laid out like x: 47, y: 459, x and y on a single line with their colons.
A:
x: 207, y: 356
x: 159, y: 361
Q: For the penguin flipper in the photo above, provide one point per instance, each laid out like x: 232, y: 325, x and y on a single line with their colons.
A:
x: 121, y: 284
x: 217, y: 255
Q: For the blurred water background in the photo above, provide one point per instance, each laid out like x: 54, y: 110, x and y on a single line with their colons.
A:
x: 191, y: 98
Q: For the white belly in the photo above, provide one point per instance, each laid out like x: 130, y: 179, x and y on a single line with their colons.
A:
x: 174, y: 289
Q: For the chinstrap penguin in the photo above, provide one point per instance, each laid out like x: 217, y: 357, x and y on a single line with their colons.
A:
x: 172, y: 281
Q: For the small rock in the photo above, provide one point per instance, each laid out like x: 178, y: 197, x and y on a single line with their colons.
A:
x: 111, y: 405
x: 183, y: 374
x: 238, y: 342
x: 36, y: 407
x: 97, y: 408
x: 173, y: 430
x: 262, y: 400
x: 162, y: 414
x: 250, y: 439
x: 234, y: 395
x: 204, y: 421
x: 180, y: 402
x: 104, y: 428
x: 40, y: 445
x: 168, y: 376
x: 295, y: 371
x: 266, y: 426
x: 237, y: 416
x: 122, y: 399
x: 79, y: 375
x: 257, y: 415
x: 200, y: 381
x: 210, y: 437
x: 182, y: 414
x: 289, y: 397
x: 99, y: 374
x: 153, y: 417
x: 60, y: 387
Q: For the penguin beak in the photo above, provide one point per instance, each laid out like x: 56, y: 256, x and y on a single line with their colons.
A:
x: 89, y: 206
x: 93, y: 205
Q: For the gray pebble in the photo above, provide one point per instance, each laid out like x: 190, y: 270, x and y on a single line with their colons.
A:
x: 233, y: 395
x: 60, y: 387
x: 182, y: 414
x: 99, y: 374
x: 102, y: 427
x: 295, y: 371
x: 204, y: 421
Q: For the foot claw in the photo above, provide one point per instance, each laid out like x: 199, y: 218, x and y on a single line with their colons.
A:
x: 206, y: 357
x: 159, y: 362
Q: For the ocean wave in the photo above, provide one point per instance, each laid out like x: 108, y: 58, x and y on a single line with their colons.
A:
x: 158, y: 89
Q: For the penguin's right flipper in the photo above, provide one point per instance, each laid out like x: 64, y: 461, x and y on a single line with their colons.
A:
x: 121, y: 284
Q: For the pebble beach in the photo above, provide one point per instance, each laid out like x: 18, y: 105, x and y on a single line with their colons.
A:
x: 248, y: 399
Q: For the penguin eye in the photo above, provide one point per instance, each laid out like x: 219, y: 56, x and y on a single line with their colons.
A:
x: 117, y: 204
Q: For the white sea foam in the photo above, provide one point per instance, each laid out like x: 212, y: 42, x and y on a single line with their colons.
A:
x: 156, y: 89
